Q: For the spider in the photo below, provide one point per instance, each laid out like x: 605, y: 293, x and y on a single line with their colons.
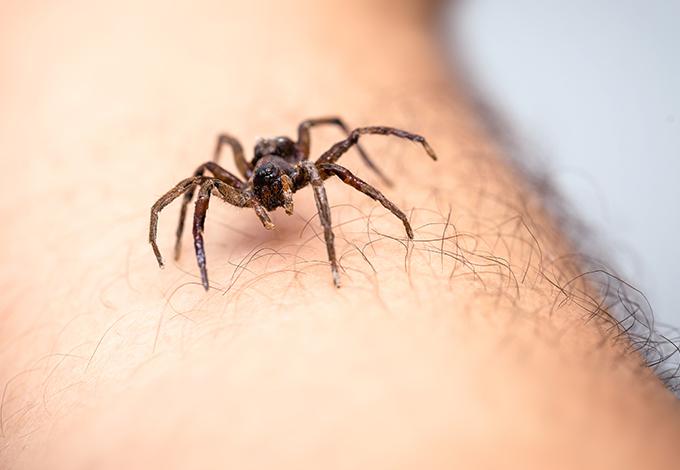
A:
x: 279, y: 168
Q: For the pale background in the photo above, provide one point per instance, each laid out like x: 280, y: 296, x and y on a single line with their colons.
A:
x: 593, y: 89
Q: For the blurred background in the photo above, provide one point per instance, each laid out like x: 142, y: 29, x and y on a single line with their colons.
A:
x: 591, y: 92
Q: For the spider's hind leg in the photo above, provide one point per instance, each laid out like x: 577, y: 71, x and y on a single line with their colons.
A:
x: 304, y: 141
x: 333, y: 154
x: 243, y: 165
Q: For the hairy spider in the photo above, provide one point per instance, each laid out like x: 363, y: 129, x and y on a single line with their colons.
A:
x: 279, y: 168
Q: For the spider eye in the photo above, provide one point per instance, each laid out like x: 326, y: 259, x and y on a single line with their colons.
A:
x: 267, y: 175
x: 268, y: 186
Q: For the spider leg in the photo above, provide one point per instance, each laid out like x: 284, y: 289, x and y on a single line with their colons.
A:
x: 202, y: 202
x: 347, y: 177
x: 166, y: 199
x: 304, y: 141
x: 226, y: 192
x: 243, y: 165
x: 324, y: 211
x: 336, y: 151
x: 219, y: 173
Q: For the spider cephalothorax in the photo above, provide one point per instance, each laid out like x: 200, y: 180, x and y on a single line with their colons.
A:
x: 273, y: 183
x: 280, y: 167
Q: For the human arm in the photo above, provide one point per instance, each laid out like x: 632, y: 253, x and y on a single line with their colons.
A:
x: 430, y: 354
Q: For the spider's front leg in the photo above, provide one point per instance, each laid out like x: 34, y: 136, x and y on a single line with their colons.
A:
x: 219, y: 173
x: 202, y: 202
x: 234, y: 196
x: 328, y: 169
x: 229, y: 194
x: 166, y: 199
x: 324, y: 211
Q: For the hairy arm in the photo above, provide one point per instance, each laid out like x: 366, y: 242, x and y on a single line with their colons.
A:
x: 477, y: 335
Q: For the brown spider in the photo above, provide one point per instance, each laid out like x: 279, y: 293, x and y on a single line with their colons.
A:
x: 279, y: 168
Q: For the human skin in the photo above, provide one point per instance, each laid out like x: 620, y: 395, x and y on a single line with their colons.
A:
x: 467, y: 348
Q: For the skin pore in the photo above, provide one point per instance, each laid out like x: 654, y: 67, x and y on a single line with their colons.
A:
x: 470, y: 347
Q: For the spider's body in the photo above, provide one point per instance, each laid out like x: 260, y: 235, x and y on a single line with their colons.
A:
x: 273, y: 159
x: 279, y: 168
